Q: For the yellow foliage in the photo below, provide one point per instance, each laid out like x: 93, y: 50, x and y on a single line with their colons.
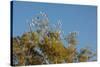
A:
x: 83, y: 58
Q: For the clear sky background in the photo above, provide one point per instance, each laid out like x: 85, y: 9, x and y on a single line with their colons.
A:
x: 81, y: 18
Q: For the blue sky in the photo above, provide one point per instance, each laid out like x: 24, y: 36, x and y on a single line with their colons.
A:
x: 81, y: 18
